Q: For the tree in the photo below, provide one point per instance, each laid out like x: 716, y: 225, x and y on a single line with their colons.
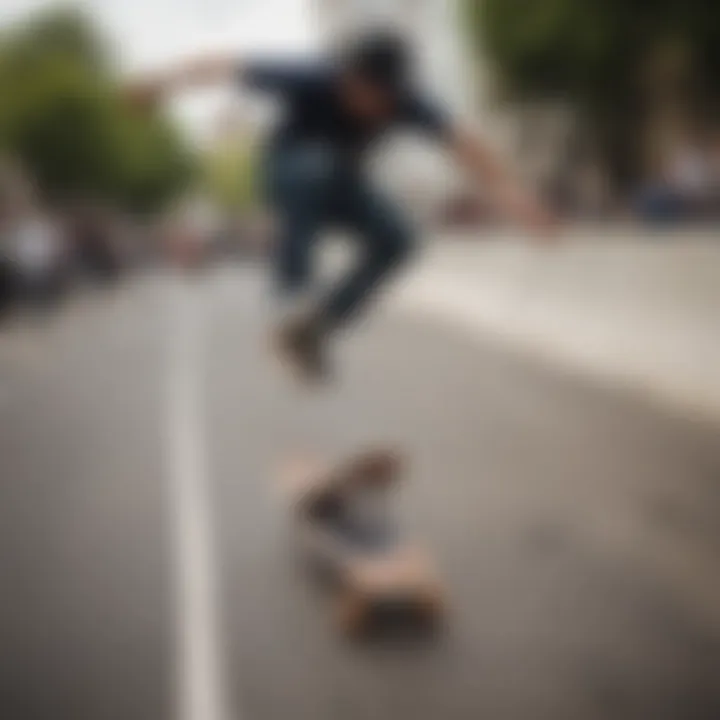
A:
x: 614, y: 59
x: 65, y: 118
x: 228, y: 174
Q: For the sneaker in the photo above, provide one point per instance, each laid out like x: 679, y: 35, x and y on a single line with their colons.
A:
x: 300, y: 343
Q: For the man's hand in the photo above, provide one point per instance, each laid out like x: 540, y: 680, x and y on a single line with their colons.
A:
x: 145, y: 94
x: 204, y: 71
x: 530, y: 212
x: 509, y: 196
x: 199, y: 72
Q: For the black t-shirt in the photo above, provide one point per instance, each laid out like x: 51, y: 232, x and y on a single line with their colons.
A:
x: 312, y: 110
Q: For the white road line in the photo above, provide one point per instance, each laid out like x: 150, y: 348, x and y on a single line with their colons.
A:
x: 201, y: 688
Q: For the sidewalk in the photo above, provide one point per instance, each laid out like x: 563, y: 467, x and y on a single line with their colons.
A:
x: 640, y: 310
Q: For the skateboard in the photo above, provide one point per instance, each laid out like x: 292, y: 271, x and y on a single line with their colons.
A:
x: 341, y: 521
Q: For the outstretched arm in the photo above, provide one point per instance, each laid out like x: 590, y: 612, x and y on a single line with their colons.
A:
x: 509, y: 194
x: 198, y: 72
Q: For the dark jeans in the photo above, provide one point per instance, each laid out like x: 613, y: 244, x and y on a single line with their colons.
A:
x: 8, y: 286
x: 40, y: 292
x: 310, y: 191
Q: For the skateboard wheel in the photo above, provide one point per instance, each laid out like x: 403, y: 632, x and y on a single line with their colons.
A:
x: 360, y: 615
x: 352, y: 615
x: 432, y: 605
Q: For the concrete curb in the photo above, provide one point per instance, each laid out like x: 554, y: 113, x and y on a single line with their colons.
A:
x: 645, y: 315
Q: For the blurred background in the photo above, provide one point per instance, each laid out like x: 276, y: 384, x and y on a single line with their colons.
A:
x: 611, y: 111
x: 559, y: 405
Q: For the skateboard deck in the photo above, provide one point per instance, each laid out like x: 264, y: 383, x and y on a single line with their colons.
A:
x: 375, y: 572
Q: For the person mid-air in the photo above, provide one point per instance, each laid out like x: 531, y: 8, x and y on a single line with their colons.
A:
x: 313, y: 174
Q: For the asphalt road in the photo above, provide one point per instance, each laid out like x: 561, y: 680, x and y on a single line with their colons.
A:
x: 577, y: 528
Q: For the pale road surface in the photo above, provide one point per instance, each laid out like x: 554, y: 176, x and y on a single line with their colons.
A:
x: 577, y: 528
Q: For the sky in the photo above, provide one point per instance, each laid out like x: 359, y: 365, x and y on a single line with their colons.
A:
x: 152, y: 31
x: 151, y: 34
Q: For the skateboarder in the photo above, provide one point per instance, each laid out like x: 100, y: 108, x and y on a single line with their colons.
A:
x: 313, y: 175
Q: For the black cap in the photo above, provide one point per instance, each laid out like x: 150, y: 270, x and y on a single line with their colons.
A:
x: 383, y: 57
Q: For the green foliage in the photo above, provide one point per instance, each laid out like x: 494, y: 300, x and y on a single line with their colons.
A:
x: 229, y: 175
x: 592, y: 50
x: 64, y: 117
x: 58, y: 32
x: 151, y: 167
x: 608, y: 57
